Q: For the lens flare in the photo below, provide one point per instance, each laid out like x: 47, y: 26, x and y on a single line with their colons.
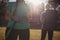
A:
x: 36, y: 2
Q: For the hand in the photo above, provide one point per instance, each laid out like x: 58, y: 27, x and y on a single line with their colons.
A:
x: 16, y: 18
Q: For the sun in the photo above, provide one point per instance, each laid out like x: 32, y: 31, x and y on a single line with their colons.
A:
x: 36, y: 2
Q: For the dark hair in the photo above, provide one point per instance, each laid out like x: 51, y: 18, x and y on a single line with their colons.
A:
x: 53, y: 3
x: 20, y: 0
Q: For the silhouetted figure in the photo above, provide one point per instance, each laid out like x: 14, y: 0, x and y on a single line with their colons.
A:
x: 19, y: 22
x: 49, y: 21
x: 2, y: 12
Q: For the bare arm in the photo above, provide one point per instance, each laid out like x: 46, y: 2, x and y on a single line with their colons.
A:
x: 29, y: 17
x: 42, y: 19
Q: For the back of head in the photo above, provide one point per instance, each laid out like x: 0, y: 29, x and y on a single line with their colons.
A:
x: 50, y: 6
x: 20, y: 0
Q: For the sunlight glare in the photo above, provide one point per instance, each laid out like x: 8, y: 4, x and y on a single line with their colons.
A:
x: 36, y: 2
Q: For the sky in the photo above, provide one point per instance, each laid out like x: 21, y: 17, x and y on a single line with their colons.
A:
x: 12, y: 0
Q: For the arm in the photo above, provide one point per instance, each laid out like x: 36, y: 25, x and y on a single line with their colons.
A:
x: 16, y: 18
x: 7, y: 15
x: 42, y: 18
x: 28, y: 17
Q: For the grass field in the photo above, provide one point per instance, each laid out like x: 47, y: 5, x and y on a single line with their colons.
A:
x: 35, y: 34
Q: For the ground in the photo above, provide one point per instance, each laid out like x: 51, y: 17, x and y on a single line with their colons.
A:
x: 35, y: 34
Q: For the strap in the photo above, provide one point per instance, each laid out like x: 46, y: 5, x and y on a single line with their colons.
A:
x: 15, y: 8
x: 14, y: 12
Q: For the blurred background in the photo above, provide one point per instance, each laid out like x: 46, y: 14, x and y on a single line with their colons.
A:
x: 36, y: 7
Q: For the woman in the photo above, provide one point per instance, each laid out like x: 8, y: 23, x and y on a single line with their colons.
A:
x: 19, y: 22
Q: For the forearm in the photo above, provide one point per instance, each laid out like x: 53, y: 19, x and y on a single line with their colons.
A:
x: 42, y: 20
x: 29, y: 17
x: 16, y: 18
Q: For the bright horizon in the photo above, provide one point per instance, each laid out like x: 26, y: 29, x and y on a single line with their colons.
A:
x: 12, y: 0
x: 32, y: 1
